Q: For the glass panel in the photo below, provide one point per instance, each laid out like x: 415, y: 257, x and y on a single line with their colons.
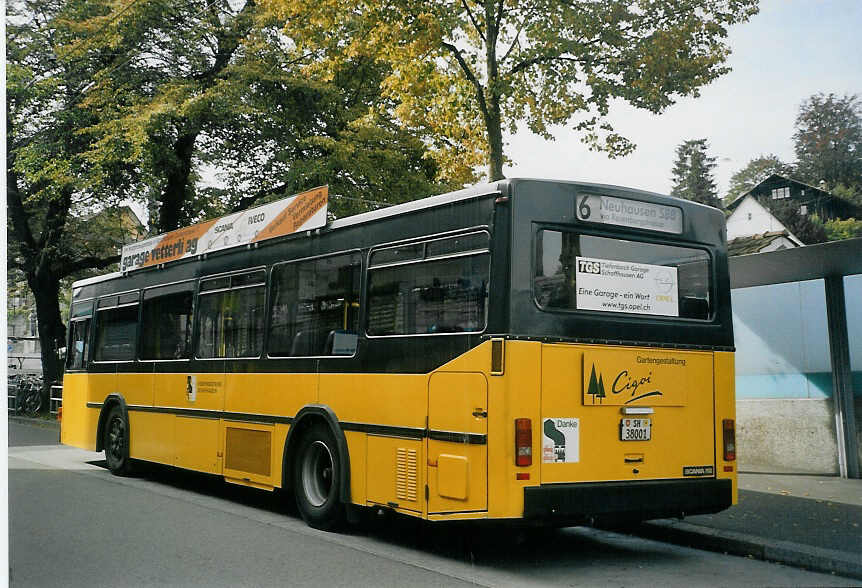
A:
x: 116, y: 331
x: 166, y: 327
x: 248, y: 279
x: 398, y: 254
x: 472, y: 242
x: 215, y: 284
x: 231, y: 323
x: 444, y: 296
x: 77, y: 352
x: 315, y: 309
x: 82, y: 308
x: 782, y: 341
x: 853, y: 305
x: 626, y: 289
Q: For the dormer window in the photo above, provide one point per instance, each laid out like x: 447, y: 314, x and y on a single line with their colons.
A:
x: 781, y: 193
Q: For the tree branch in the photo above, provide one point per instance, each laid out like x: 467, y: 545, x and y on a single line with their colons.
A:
x: 473, y: 20
x: 65, y: 270
x: 480, y: 93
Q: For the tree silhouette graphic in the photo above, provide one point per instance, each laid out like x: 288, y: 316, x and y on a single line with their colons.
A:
x: 596, y: 387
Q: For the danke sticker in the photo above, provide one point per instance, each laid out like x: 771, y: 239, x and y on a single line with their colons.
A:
x: 561, y: 440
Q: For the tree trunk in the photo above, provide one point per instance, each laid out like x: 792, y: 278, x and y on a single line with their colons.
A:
x: 493, y: 117
x: 171, y: 212
x: 52, y: 333
x: 495, y: 140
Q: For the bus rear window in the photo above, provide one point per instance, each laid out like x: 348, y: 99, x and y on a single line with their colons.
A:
x: 584, y: 272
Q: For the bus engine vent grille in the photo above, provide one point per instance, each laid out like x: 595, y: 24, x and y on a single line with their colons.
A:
x: 406, y: 481
x: 247, y: 450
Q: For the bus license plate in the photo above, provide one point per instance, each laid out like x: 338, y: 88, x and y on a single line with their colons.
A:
x: 635, y: 430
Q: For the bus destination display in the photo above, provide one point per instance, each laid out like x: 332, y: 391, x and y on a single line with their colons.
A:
x: 629, y: 213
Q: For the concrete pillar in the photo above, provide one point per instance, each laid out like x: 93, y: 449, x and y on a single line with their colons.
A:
x: 842, y: 383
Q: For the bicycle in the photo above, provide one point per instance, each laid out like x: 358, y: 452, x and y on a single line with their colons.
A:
x: 28, y: 395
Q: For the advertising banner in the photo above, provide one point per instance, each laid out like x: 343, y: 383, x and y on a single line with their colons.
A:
x: 623, y: 286
x: 301, y: 212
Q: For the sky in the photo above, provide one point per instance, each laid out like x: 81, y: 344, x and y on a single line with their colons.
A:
x: 789, y: 51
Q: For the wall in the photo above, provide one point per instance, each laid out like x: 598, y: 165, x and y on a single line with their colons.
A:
x: 762, y: 221
x: 784, y: 379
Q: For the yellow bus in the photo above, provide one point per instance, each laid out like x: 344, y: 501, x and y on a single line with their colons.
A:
x: 547, y: 351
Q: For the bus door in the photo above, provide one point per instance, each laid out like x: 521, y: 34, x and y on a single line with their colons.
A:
x: 457, y: 442
x: 193, y: 403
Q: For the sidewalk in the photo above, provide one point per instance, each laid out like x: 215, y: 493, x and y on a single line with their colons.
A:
x: 813, y: 522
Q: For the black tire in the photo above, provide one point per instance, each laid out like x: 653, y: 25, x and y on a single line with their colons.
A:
x: 317, y: 479
x: 116, y: 442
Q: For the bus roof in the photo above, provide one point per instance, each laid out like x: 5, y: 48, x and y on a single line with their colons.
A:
x: 479, y: 191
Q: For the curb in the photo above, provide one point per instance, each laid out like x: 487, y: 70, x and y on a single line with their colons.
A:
x: 798, y: 555
x: 35, y: 422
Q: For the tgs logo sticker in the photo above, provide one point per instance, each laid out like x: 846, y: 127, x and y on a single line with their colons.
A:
x: 589, y: 267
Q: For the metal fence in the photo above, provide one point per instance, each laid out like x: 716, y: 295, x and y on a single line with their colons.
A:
x: 56, y: 398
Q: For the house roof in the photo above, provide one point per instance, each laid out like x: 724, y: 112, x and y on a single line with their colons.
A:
x: 771, y: 178
x: 755, y: 243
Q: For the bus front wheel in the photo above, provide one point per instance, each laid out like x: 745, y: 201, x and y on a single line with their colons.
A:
x: 116, y: 442
x: 317, y: 478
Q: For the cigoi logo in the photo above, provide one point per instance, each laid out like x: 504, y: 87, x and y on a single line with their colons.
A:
x: 623, y: 382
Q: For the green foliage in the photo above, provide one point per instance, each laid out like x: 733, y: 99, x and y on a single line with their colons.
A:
x: 225, y: 95
x: 828, y: 140
x: 757, y: 170
x: 462, y: 71
x: 837, y: 229
x: 807, y: 227
x: 693, y: 173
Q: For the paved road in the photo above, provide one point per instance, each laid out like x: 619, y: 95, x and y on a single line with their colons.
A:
x: 176, y: 528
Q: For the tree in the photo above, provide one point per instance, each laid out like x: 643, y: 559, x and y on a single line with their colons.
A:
x: 692, y: 173
x: 757, y: 170
x: 828, y: 141
x: 54, y: 231
x: 464, y: 70
x: 196, y: 86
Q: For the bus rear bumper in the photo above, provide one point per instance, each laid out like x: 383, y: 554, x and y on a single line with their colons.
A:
x: 620, y: 502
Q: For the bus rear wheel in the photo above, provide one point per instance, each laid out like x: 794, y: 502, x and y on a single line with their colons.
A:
x: 116, y: 442
x: 317, y: 478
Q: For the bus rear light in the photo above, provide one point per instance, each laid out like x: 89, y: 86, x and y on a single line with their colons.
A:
x: 729, y: 433
x: 523, y: 442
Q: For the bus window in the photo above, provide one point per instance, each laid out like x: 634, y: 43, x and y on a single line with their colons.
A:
x: 446, y: 294
x: 315, y: 307
x: 231, y: 320
x: 116, y: 333
x: 683, y: 290
x: 77, y: 353
x: 166, y: 323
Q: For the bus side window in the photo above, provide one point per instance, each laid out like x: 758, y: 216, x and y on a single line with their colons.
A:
x: 231, y: 320
x: 315, y: 307
x: 166, y: 324
x: 116, y: 333
x: 76, y: 358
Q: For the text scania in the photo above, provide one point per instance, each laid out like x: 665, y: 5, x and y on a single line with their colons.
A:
x: 224, y: 227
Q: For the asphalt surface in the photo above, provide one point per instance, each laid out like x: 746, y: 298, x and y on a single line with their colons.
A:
x: 74, y: 524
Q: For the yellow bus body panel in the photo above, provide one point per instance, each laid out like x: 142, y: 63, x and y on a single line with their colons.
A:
x: 396, y: 425
x: 725, y: 408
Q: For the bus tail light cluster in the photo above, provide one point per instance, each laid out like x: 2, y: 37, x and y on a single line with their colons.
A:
x: 523, y: 442
x: 729, y: 433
